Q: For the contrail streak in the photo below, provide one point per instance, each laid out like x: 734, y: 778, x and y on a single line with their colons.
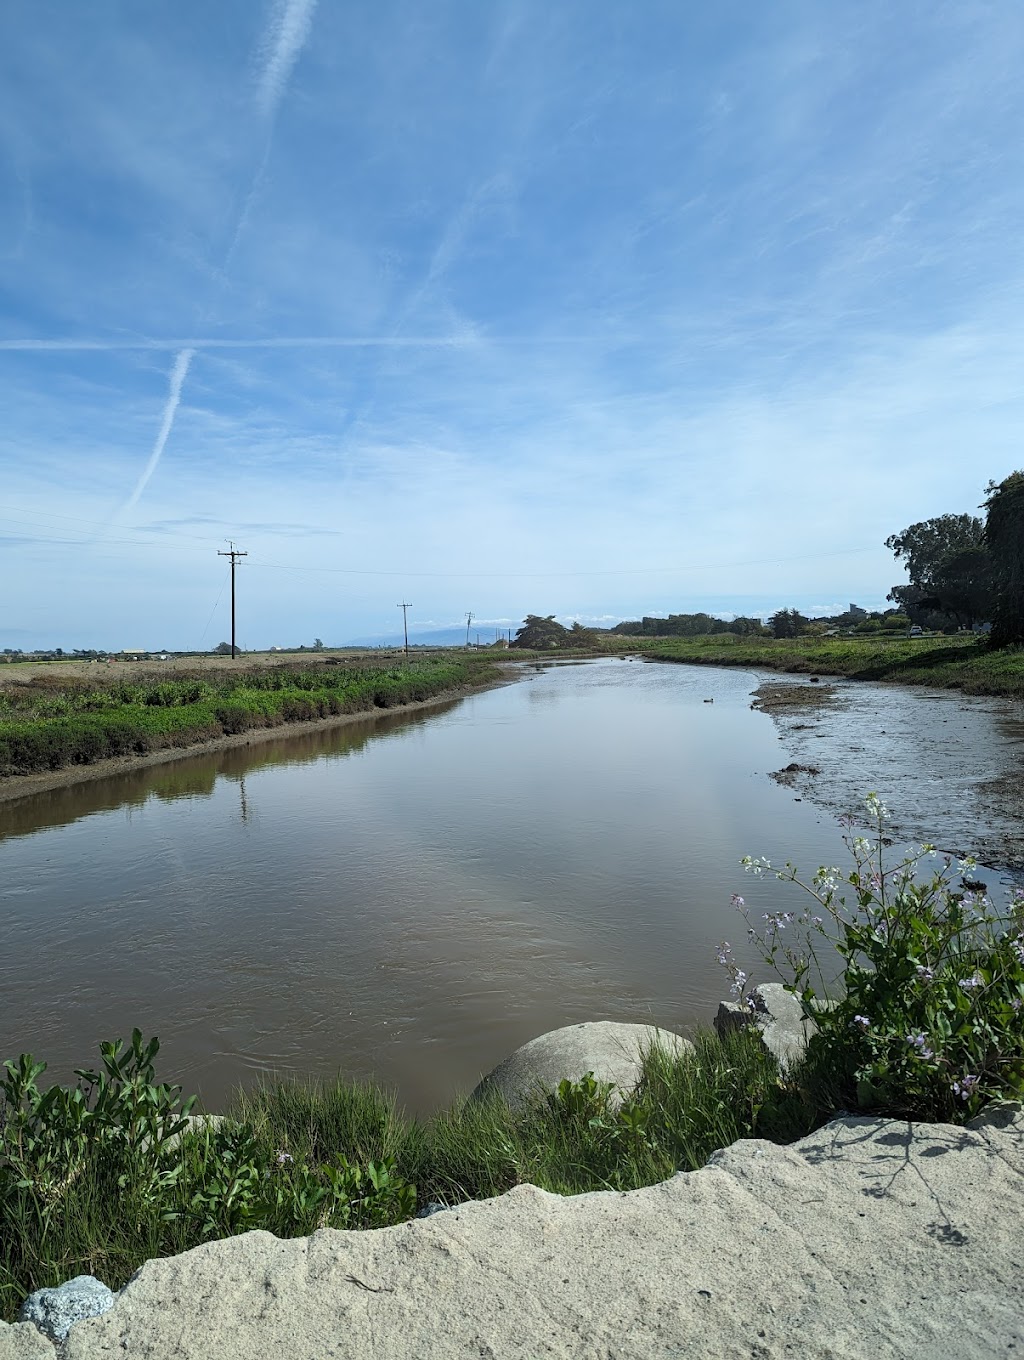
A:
x: 285, y: 39
x: 178, y: 374
x: 29, y: 345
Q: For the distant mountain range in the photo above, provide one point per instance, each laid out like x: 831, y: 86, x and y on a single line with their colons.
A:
x: 435, y: 637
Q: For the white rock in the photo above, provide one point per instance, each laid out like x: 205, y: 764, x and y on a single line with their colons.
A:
x: 868, y: 1238
x: 778, y: 1017
x: 23, y: 1341
x: 611, y: 1050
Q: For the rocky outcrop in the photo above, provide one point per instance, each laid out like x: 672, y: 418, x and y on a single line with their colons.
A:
x: 612, y: 1051
x: 868, y: 1238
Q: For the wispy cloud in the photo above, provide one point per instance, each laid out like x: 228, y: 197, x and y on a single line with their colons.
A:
x: 283, y: 42
x: 178, y: 374
x: 462, y: 338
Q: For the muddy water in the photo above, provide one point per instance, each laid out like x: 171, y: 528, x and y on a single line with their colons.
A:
x: 412, y: 898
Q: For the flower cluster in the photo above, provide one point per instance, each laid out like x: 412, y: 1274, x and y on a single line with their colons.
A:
x: 925, y: 1013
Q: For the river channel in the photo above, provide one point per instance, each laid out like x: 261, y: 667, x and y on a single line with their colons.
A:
x: 410, y: 898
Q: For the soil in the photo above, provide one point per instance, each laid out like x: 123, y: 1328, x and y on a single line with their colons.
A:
x: 779, y: 696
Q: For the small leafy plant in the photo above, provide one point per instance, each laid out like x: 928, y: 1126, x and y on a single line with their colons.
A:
x: 118, y: 1112
x: 928, y: 1017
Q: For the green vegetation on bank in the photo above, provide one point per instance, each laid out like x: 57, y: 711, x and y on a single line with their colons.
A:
x: 101, y: 1178
x: 923, y: 1022
x: 56, y: 720
x: 965, y: 663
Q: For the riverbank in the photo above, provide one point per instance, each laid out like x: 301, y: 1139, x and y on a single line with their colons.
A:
x: 964, y: 663
x: 306, y: 697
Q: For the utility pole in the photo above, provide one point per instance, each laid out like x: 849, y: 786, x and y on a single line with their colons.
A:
x: 469, y: 620
x: 234, y: 554
x: 404, y: 606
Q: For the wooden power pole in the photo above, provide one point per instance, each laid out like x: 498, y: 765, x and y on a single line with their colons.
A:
x: 234, y: 554
x: 404, y: 606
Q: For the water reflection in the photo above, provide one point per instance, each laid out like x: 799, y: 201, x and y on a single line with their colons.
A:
x: 196, y: 776
x: 407, y: 899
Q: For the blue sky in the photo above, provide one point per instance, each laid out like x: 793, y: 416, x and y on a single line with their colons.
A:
x: 576, y: 308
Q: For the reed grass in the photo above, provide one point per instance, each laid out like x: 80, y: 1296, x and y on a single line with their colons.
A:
x: 965, y: 663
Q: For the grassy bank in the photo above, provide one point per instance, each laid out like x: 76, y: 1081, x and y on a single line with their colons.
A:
x: 53, y: 720
x: 965, y: 664
x: 102, y: 1193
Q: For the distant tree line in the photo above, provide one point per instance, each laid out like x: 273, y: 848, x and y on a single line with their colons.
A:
x: 687, y: 625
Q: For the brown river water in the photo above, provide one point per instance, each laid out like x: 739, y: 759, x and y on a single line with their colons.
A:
x: 410, y: 898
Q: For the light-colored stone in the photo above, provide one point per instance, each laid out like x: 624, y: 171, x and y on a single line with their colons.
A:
x: 779, y: 1018
x: 56, y: 1310
x: 23, y: 1341
x: 868, y: 1238
x: 611, y: 1050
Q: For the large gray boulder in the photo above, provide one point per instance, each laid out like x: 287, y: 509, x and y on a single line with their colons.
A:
x: 778, y: 1017
x: 611, y: 1050
x: 870, y: 1237
x: 55, y: 1311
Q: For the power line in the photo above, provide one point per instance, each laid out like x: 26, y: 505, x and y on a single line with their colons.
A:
x: 549, y: 575
x: 213, y: 611
x: 164, y: 541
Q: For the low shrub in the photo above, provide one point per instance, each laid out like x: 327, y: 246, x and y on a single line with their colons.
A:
x: 926, y: 1016
x: 47, y: 727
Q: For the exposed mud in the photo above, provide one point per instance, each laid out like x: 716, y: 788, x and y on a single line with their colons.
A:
x: 950, y: 767
x: 788, y: 696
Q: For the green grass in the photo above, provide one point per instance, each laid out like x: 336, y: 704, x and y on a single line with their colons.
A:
x: 963, y: 663
x: 55, y: 721
x: 104, y: 1195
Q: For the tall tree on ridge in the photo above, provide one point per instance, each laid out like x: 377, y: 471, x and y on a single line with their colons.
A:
x: 1004, y: 535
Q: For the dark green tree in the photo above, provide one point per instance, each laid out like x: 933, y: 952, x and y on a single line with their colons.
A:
x: 580, y: 637
x: 1004, y: 537
x: 787, y: 623
x: 962, y: 586
x: 925, y: 546
x: 540, y: 634
x: 949, y: 566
